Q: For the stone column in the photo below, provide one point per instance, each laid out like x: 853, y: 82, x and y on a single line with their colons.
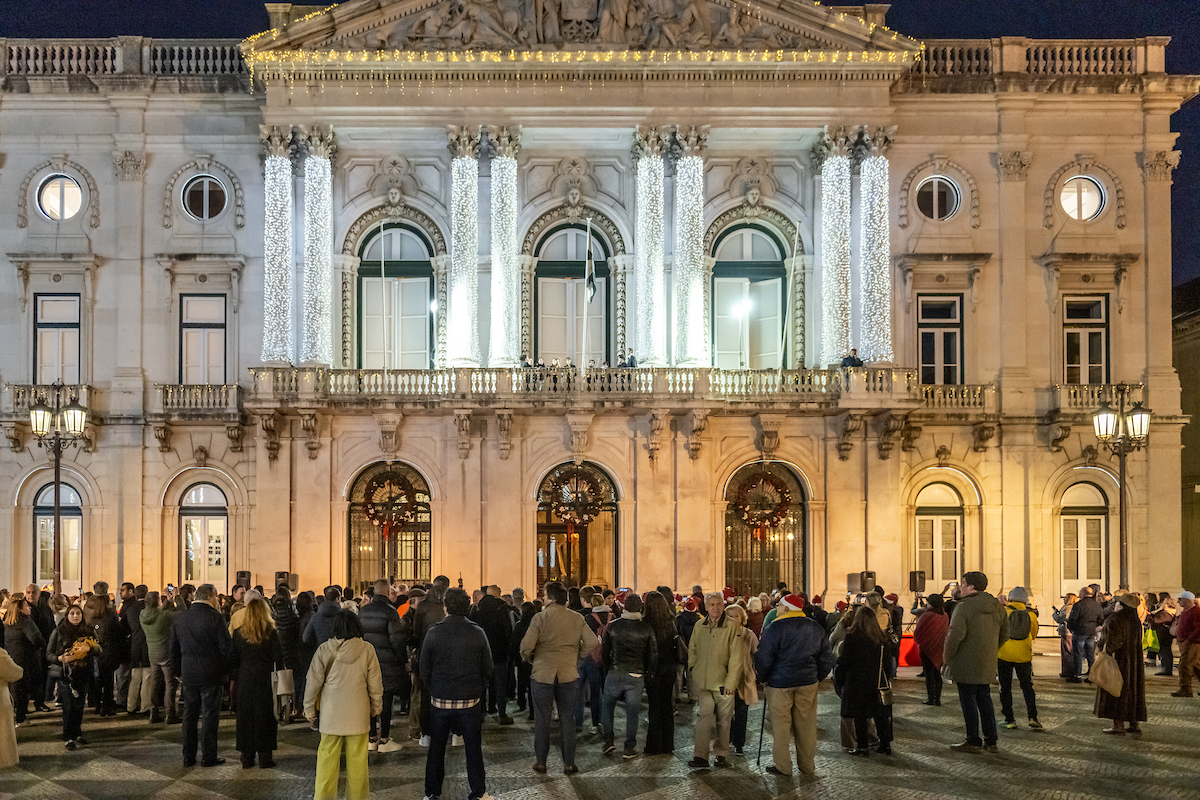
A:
x: 441, y: 293
x: 875, y: 256
x: 832, y: 155
x: 316, y: 346
x: 691, y: 323
x: 650, y: 316
x: 505, y: 341
x: 345, y: 270
x: 277, y: 244
x: 462, y: 341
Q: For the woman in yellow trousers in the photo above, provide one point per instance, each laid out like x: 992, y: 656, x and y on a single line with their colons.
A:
x: 344, y: 691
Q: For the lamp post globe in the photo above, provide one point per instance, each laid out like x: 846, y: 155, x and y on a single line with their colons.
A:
x: 40, y: 419
x: 1105, y: 422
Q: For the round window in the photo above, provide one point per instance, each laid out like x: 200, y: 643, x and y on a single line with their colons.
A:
x: 204, y: 197
x: 1082, y: 198
x: 937, y: 197
x: 59, y: 197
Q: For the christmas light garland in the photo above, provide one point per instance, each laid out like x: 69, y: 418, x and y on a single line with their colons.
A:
x: 277, y: 260
x: 651, y: 313
x: 690, y: 320
x: 875, y: 337
x: 317, y: 342
x: 505, y: 340
x: 462, y: 348
x: 835, y: 258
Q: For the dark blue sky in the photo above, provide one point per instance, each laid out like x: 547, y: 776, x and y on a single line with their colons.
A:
x: 921, y: 19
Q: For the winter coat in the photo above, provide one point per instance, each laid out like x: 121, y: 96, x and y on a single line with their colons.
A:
x: 381, y: 629
x: 857, y: 677
x: 794, y: 651
x: 519, y: 631
x: 713, y: 662
x: 10, y: 672
x: 629, y: 646
x: 131, y: 613
x: 113, y: 636
x: 287, y: 626
x: 747, y: 688
x: 320, y: 626
x: 456, y: 660
x: 344, y: 684
x: 201, y: 646
x: 685, y: 623
x: 754, y: 621
x: 257, y: 728
x: 25, y: 644
x: 930, y: 635
x: 1122, y: 639
x: 493, y: 616
x: 430, y: 612
x: 1019, y: 651
x: 974, y: 638
x: 156, y: 630
x: 1086, y: 617
x: 557, y: 640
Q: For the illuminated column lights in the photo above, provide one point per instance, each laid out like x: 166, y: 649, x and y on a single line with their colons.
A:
x: 651, y: 307
x: 462, y: 345
x: 277, y: 244
x: 506, y: 267
x: 316, y: 343
x: 875, y: 268
x: 691, y: 344
x: 835, y: 245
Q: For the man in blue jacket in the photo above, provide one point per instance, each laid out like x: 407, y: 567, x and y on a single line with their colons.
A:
x: 793, y: 657
x: 200, y: 653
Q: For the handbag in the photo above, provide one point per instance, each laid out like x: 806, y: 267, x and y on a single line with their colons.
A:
x: 283, y: 682
x: 1106, y: 673
x: 1150, y: 641
x: 885, y: 686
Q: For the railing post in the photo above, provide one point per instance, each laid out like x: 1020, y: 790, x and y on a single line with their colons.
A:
x: 1013, y: 54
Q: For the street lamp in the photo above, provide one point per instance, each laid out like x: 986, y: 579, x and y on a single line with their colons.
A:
x: 1122, y: 432
x: 57, y: 427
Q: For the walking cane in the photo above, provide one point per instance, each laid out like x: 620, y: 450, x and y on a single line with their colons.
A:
x: 761, y: 728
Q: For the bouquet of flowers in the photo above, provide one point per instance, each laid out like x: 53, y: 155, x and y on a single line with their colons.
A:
x: 82, y: 648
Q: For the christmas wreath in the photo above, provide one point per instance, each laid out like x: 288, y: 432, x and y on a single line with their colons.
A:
x: 763, y: 501
x: 575, y: 496
x: 390, y: 501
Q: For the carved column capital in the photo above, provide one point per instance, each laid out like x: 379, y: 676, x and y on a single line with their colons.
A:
x: 649, y: 141
x: 1012, y: 166
x: 828, y: 145
x: 319, y: 140
x: 874, y: 142
x: 129, y: 166
x: 1159, y: 166
x: 463, y: 141
x: 692, y: 141
x: 505, y: 141
x: 277, y: 141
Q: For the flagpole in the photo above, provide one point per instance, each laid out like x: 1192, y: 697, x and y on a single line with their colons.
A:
x: 586, y: 264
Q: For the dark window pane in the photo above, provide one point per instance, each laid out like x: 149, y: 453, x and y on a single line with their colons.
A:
x: 939, y: 309
x: 950, y: 375
x: 928, y: 347
x: 929, y: 375
x: 950, y: 347
x: 1095, y: 347
x: 1090, y: 309
x: 1072, y: 374
x: 195, y: 201
x: 1073, y: 348
x: 925, y: 200
x: 216, y: 199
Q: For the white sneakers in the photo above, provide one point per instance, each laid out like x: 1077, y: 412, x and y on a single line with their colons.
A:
x: 455, y: 741
x: 373, y: 746
x: 390, y: 746
x: 425, y: 740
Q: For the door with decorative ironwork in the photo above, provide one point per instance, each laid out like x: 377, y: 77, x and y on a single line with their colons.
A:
x: 577, y: 527
x: 389, y: 526
x: 764, y: 529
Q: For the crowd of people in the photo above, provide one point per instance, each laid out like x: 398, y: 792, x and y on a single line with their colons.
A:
x: 443, y: 662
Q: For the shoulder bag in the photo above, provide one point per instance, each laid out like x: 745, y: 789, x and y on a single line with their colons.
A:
x: 1106, y: 673
x: 283, y: 681
x: 885, y: 686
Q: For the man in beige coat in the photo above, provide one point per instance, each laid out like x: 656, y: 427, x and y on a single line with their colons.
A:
x: 10, y: 672
x: 557, y: 640
x: 715, y: 668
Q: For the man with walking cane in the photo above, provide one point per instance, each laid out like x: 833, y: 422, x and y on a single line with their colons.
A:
x: 793, y: 657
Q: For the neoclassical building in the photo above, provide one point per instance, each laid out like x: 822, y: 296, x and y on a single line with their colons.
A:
x: 295, y: 280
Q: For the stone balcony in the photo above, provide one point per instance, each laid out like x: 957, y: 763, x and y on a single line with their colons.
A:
x: 196, y: 402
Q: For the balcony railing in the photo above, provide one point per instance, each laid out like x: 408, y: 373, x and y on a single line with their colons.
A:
x: 1041, y: 57
x: 960, y: 398
x: 126, y: 55
x: 19, y: 397
x: 1088, y: 397
x: 198, y: 400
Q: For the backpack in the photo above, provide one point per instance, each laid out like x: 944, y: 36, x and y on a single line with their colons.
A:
x: 597, y: 653
x: 1018, y: 625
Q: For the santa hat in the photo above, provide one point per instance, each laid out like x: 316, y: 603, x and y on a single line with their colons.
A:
x: 691, y: 604
x: 840, y: 606
x: 816, y: 600
x: 892, y: 598
x: 678, y: 598
x: 729, y: 593
x: 792, y: 603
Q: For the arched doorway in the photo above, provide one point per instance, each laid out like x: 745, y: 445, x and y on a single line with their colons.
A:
x: 749, y: 293
x: 389, y: 526
x: 396, y: 298
x: 204, y: 528
x: 765, y: 528
x: 1083, y: 526
x: 939, y: 534
x: 577, y: 527
x: 71, y: 514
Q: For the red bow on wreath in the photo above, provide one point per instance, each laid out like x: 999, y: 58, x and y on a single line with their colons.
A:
x: 763, y: 501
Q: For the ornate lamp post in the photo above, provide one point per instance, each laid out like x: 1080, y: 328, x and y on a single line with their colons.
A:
x: 1122, y: 432
x: 57, y: 427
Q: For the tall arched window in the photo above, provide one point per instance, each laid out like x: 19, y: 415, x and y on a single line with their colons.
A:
x: 390, y: 526
x: 71, y: 514
x: 939, y: 534
x: 1084, y: 527
x: 764, y: 528
x: 577, y: 527
x: 204, y: 528
x: 396, y: 297
x: 748, y: 297
x: 568, y: 324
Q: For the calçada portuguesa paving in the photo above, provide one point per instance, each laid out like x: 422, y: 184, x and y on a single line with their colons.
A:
x: 128, y: 758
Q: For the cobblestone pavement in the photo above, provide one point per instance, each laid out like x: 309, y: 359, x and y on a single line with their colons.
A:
x: 127, y: 758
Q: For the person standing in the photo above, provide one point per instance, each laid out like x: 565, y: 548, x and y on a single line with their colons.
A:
x: 70, y: 655
x: 10, y: 673
x: 256, y: 654
x: 1065, y: 649
x: 138, y: 696
x: 714, y: 677
x: 381, y: 630
x: 524, y: 698
x: 972, y: 643
x: 591, y: 669
x: 344, y: 689
x: 1016, y: 655
x: 930, y: 637
x: 25, y: 644
x: 40, y: 687
x: 746, y: 694
x: 1086, y: 616
x: 793, y: 657
x: 456, y: 668
x: 287, y: 626
x: 124, y: 668
x: 156, y: 620
x: 1161, y: 617
x: 200, y: 654
x: 1121, y: 638
x: 860, y: 679
x: 492, y: 615
x: 660, y: 687
x: 1187, y: 633
x: 628, y: 654
x: 429, y: 611
x: 557, y: 640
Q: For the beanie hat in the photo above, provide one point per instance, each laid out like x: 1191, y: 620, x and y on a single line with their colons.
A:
x: 1018, y: 594
x: 792, y: 603
x: 1129, y: 599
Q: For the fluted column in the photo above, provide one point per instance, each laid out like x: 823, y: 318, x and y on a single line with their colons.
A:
x: 691, y: 323
x: 506, y: 264
x: 277, y: 244
x: 832, y: 155
x: 875, y: 259
x: 651, y: 308
x: 316, y: 344
x: 462, y: 341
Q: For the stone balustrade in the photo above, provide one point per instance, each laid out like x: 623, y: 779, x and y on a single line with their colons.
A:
x: 16, y: 399
x: 1041, y: 57
x: 1080, y: 398
x: 978, y: 398
x: 197, y: 401
x: 125, y: 55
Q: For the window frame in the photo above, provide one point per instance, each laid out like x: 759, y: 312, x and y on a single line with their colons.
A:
x: 958, y: 325
x: 77, y: 326
x: 183, y: 193
x: 204, y: 512
x: 224, y: 326
x: 752, y: 272
x: 1100, y: 187
x: 72, y: 511
x: 954, y: 188
x: 574, y: 269
x: 44, y: 183
x: 395, y: 269
x: 936, y: 513
x: 1104, y: 326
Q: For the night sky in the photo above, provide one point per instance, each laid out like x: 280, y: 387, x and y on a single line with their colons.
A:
x: 921, y: 19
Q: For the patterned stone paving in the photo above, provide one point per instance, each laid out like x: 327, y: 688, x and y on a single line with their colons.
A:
x: 127, y: 759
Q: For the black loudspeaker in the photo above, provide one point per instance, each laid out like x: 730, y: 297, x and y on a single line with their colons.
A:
x: 291, y: 579
x: 916, y: 581
x: 866, y: 581
x: 243, y: 578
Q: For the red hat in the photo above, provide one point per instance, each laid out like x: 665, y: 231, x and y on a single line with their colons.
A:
x: 728, y: 593
x: 691, y: 604
x: 892, y: 598
x: 793, y: 603
x: 678, y: 598
x: 816, y: 600
x: 841, y: 606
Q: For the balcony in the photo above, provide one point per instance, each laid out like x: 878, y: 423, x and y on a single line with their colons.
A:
x: 196, y: 402
x: 1082, y: 399
x: 17, y: 398
x: 1096, y: 58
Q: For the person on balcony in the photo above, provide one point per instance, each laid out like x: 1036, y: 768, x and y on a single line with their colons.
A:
x: 852, y: 360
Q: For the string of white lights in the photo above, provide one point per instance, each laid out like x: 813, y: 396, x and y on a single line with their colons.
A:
x: 835, y: 258
x: 651, y: 310
x: 317, y: 342
x: 691, y: 346
x: 505, y: 341
x: 277, y: 260
x: 462, y: 345
x: 875, y: 337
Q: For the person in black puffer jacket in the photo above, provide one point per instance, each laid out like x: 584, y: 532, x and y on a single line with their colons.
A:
x: 112, y: 635
x: 320, y: 626
x: 514, y: 656
x: 630, y: 655
x: 430, y: 611
x: 287, y: 625
x: 493, y: 616
x: 381, y: 629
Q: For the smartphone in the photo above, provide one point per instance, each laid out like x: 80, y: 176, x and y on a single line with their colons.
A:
x: 170, y: 587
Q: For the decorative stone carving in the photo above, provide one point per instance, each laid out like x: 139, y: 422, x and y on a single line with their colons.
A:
x: 649, y: 141
x: 200, y: 454
x: 505, y: 142
x: 1012, y: 166
x: 886, y: 429
x: 908, y: 436
x: 12, y: 432
x: 395, y: 179
x: 769, y: 424
x: 828, y: 145
x: 658, y: 423
x: 319, y: 140
x: 1058, y: 433
x: 268, y: 423
x: 620, y: 291
x: 89, y: 439
x: 873, y: 142
x: 697, y: 423
x: 441, y: 289
x: 234, y: 434
x: 601, y: 223
x: 692, y: 141
x: 504, y: 420
x: 983, y: 432
x: 204, y: 163
x: 277, y: 141
x: 1083, y: 164
x: 755, y: 211
x: 312, y: 433
x: 393, y: 213
x: 129, y: 166
x: 939, y: 164
x: 462, y: 424
x: 1159, y: 166
x: 943, y: 455
x: 162, y: 432
x: 578, y: 425
x: 846, y: 426
x: 1089, y: 455
x: 389, y: 433
x: 60, y: 164
x: 463, y: 141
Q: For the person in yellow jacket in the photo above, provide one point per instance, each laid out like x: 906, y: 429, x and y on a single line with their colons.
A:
x: 1016, y: 655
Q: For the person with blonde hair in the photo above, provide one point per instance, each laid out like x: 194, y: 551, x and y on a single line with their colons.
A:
x: 24, y: 642
x: 256, y: 654
x: 747, y: 690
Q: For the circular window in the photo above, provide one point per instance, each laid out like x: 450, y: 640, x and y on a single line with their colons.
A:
x: 1082, y: 198
x: 204, y: 197
x: 59, y: 197
x: 937, y: 197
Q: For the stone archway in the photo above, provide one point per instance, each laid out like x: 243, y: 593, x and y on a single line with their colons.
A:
x: 577, y: 553
x: 393, y: 539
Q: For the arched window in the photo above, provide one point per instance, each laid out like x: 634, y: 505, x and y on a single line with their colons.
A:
x: 577, y: 527
x: 1084, y: 529
x: 764, y: 528
x: 396, y: 300
x: 204, y: 530
x: 71, y: 514
x: 569, y: 325
x: 939, y: 534
x: 748, y: 297
x: 390, y: 526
